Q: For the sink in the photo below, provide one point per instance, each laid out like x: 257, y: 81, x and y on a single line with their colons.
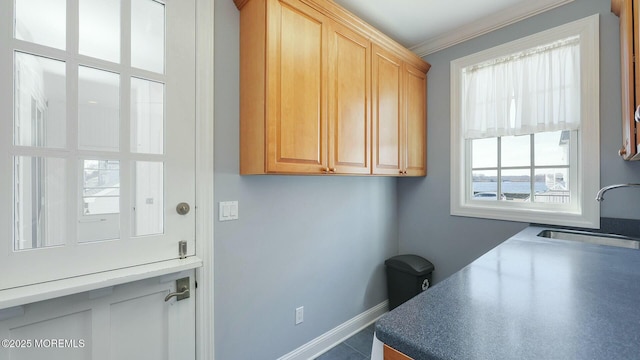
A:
x: 592, y: 238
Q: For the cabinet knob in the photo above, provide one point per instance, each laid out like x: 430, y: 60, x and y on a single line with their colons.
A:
x: 622, y: 151
x: 637, y: 114
x: 325, y: 170
x: 332, y: 170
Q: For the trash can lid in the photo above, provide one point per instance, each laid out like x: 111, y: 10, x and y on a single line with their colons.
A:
x: 412, y: 264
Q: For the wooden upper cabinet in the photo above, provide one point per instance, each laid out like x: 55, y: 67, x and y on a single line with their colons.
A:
x: 387, y: 113
x: 296, y: 93
x: 349, y: 101
x: 628, y: 10
x: 415, y: 105
x: 399, y: 115
x: 308, y: 74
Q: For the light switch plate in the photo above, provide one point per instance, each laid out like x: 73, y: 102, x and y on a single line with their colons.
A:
x: 228, y: 210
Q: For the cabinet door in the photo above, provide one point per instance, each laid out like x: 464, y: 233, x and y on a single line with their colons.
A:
x: 387, y: 112
x: 415, y: 99
x: 349, y: 107
x: 634, y: 79
x: 296, y: 89
x: 628, y: 82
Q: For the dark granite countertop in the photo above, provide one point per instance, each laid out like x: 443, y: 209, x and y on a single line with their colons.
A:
x: 528, y: 298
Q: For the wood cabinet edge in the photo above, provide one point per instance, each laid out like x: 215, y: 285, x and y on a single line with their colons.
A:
x: 390, y: 353
x: 616, y: 6
x: 346, y: 18
x: 240, y: 3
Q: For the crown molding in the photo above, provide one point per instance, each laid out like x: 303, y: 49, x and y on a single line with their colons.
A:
x: 486, y: 25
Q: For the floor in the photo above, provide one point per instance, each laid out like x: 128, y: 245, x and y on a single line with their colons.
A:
x: 357, y: 347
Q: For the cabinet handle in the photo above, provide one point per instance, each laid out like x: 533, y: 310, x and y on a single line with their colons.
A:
x: 403, y: 172
x: 637, y: 114
x: 332, y: 170
x: 325, y: 170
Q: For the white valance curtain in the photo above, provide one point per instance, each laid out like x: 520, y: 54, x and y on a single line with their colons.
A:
x: 533, y: 91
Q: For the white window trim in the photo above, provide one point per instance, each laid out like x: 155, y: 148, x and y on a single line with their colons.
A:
x: 587, y: 212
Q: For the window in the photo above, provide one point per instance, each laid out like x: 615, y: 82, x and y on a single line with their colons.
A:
x: 525, y: 129
x: 532, y: 168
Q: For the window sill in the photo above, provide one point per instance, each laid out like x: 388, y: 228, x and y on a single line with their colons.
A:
x: 589, y: 217
x: 54, y: 289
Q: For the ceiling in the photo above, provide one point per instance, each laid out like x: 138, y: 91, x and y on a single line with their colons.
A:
x: 427, y: 26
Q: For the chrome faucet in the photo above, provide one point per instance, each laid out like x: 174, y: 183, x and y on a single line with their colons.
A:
x: 607, y: 188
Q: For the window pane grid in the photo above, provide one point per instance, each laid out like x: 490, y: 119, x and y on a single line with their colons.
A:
x: 522, y: 183
x: 99, y: 50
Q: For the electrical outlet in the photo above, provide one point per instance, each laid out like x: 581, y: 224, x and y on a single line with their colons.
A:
x: 299, y: 315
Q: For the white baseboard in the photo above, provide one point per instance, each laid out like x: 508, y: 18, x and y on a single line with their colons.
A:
x: 335, y: 336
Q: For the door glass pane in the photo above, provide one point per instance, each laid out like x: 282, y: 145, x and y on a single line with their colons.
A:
x: 101, y: 187
x: 98, y: 109
x: 39, y: 202
x: 100, y: 29
x: 100, y: 218
x: 39, y: 101
x: 42, y: 22
x: 147, y: 116
x: 147, y: 35
x: 148, y: 215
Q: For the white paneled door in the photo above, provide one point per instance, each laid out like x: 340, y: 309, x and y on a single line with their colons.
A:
x: 97, y: 152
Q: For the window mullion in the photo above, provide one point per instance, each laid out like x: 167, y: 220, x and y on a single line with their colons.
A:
x: 532, y: 171
x: 499, y: 169
x: 74, y: 168
x: 127, y: 164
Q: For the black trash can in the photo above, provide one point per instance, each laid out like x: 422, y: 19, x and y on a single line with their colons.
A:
x: 407, y: 276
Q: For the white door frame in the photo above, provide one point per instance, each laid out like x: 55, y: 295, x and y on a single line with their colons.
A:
x: 204, y: 179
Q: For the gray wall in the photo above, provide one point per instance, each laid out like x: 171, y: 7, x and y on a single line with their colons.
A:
x: 425, y: 226
x: 317, y: 242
